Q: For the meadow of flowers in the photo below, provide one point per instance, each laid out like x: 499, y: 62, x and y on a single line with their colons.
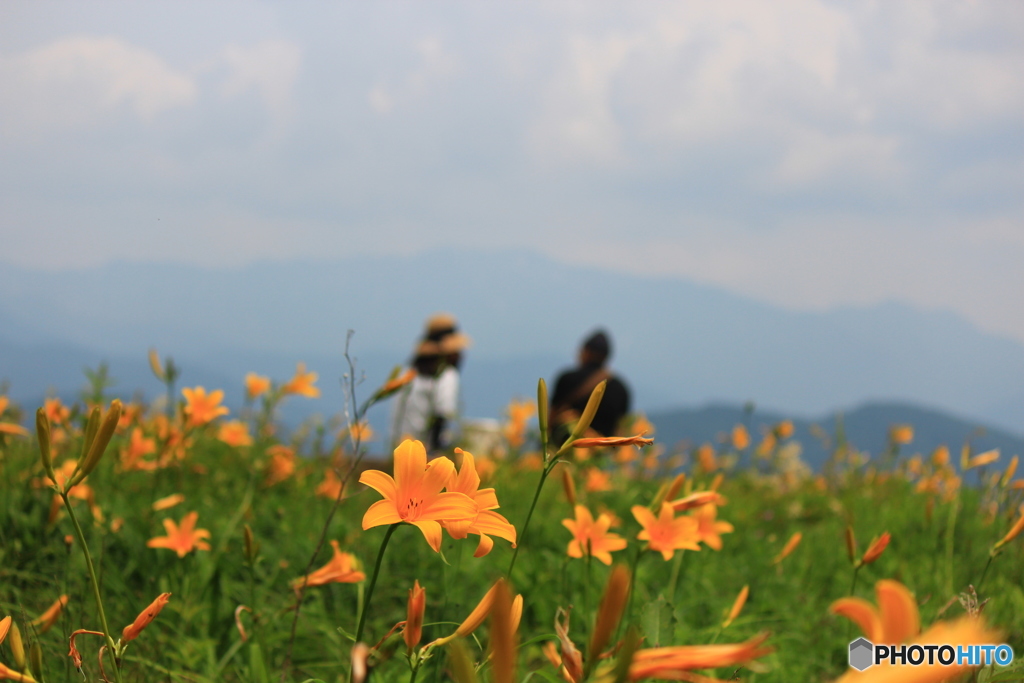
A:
x: 180, y: 542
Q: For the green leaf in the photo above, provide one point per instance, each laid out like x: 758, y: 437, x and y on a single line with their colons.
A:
x: 657, y: 620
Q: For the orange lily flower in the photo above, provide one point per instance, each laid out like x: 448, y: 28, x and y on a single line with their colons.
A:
x: 790, y: 546
x: 168, y: 502
x: 235, y: 433
x: 282, y: 464
x: 137, y: 448
x: 485, y: 521
x: 783, y: 429
x: 56, y: 412
x: 5, y: 626
x: 480, y: 612
x: 709, y: 528
x: 202, y: 407
x: 302, y: 383
x: 519, y: 414
x: 894, y: 621
x: 597, y: 480
x: 414, y: 616
x: 698, y: 499
x: 343, y: 568
x: 1013, y: 532
x: 592, y: 537
x: 740, y: 437
x: 981, y: 459
x: 706, y: 458
x: 361, y: 432
x: 256, y: 385
x: 393, y: 385
x: 414, y: 494
x: 612, y: 441
x: 330, y: 487
x: 875, y: 550
x: 671, y: 663
x: 182, y: 539
x: 145, y: 618
x: 48, y: 618
x: 737, y: 607
x: 667, y: 533
x: 901, y: 434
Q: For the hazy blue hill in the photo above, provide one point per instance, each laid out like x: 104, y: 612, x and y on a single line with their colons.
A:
x: 677, y: 342
x: 866, y: 428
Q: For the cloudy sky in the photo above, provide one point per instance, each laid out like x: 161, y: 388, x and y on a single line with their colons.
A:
x: 810, y: 154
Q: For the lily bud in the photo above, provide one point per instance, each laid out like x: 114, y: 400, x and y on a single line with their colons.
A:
x: 17, y: 645
x: 737, y: 607
x: 542, y: 407
x: 851, y: 544
x: 414, y: 616
x: 155, y: 366
x: 876, y: 549
x: 99, y: 444
x: 145, y: 618
x: 613, y: 602
x: 43, y: 432
x: 569, y: 486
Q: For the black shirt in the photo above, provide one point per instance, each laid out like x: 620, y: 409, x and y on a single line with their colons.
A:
x: 614, y: 405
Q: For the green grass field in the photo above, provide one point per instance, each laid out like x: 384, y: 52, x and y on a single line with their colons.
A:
x: 231, y: 613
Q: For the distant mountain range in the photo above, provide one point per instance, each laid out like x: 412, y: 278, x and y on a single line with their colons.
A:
x: 866, y: 428
x: 676, y: 342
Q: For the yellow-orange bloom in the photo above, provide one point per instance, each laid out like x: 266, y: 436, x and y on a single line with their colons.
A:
x: 302, y: 383
x: 982, y: 459
x: 397, y: 383
x: 485, y: 522
x: 168, y: 502
x: 740, y: 437
x: 706, y: 458
x: 895, y: 620
x: 480, y: 612
x: 612, y: 441
x: 145, y: 618
x: 360, y: 432
x: 137, y: 448
x: 5, y: 626
x: 1013, y: 532
x: 1011, y: 469
x: 671, y: 663
x: 56, y: 412
x: 414, y: 494
x: 708, y: 526
x: 330, y: 487
x: 47, y: 619
x: 737, y: 607
x: 281, y: 466
x: 591, y: 537
x: 790, y: 546
x: 182, y: 539
x: 698, y: 499
x: 202, y: 407
x: 519, y: 414
x: 875, y: 550
x: 12, y: 428
x: 597, y: 480
x: 343, y: 568
x: 667, y: 533
x: 784, y: 429
x: 901, y: 434
x: 256, y: 385
x: 414, y: 616
x: 235, y: 433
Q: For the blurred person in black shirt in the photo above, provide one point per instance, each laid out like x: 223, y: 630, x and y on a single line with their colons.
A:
x: 573, y: 388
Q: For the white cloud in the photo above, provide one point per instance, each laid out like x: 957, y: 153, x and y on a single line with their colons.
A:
x: 435, y: 64
x: 80, y: 81
x: 271, y: 68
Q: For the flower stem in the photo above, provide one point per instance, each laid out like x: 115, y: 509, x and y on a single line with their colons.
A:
x: 526, y: 525
x: 985, y: 571
x: 373, y: 581
x: 94, y: 582
x: 853, y: 585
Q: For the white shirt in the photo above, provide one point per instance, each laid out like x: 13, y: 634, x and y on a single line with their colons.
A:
x: 421, y: 401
